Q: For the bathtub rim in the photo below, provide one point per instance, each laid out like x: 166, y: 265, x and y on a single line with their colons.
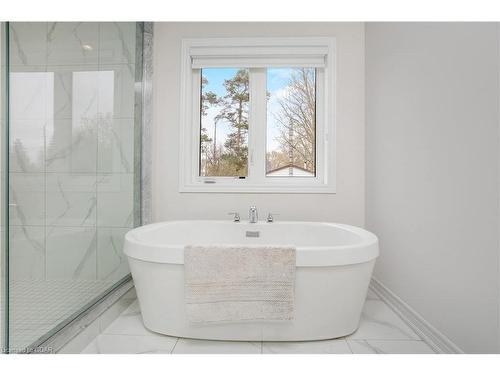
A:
x: 308, y: 256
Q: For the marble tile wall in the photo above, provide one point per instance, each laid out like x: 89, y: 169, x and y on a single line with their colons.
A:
x: 147, y: 120
x: 71, y: 149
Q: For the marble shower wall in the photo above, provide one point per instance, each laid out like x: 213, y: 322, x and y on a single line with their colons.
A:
x: 71, y: 148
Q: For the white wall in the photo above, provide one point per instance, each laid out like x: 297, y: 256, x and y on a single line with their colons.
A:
x: 346, y: 206
x: 432, y: 192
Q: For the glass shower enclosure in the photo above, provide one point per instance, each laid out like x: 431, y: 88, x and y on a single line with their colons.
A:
x: 71, y: 157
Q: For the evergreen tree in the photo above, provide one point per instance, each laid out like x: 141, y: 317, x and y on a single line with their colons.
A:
x: 208, y: 149
x: 208, y: 99
x: 234, y: 110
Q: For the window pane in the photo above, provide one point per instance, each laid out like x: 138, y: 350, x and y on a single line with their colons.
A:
x: 224, y: 122
x: 291, y: 122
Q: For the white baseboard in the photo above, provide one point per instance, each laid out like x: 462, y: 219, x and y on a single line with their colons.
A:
x: 438, y: 341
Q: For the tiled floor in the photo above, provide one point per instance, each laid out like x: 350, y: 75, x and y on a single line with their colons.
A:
x: 380, y: 331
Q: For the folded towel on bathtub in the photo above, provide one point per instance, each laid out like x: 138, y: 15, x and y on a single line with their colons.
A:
x: 228, y: 283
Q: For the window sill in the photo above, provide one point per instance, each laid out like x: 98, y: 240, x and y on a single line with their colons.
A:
x: 324, y: 189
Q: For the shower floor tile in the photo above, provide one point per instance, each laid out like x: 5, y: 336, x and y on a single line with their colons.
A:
x: 381, y: 331
x: 37, y: 306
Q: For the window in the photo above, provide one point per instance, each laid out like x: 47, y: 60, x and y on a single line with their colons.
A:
x: 257, y: 115
x: 291, y: 122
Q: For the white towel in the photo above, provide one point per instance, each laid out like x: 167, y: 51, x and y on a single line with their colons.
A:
x: 228, y: 283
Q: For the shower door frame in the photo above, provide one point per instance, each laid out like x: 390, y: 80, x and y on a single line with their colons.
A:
x: 4, y: 188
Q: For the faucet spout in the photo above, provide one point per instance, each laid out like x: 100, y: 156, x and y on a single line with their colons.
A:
x: 253, y: 215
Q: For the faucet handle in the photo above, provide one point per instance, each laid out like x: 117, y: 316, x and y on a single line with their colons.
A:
x: 236, y: 216
x: 270, y: 217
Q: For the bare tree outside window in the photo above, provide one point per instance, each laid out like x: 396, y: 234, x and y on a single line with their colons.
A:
x: 291, y: 122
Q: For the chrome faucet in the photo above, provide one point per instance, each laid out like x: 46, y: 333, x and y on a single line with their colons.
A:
x: 253, y: 215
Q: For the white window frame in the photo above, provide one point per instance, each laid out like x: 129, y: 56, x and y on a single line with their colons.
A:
x: 217, y: 52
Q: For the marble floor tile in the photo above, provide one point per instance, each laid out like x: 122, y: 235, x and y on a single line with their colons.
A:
x: 338, y: 346
x: 389, y: 347
x: 379, y: 322
x: 114, y: 311
x: 129, y: 323
x: 381, y: 331
x: 130, y: 344
x: 189, y: 346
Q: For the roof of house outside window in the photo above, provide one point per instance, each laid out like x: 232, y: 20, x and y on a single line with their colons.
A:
x: 285, y: 171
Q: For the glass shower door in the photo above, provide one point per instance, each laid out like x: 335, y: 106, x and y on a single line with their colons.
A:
x: 74, y: 167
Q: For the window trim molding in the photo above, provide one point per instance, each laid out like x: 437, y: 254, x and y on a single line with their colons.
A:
x: 188, y: 144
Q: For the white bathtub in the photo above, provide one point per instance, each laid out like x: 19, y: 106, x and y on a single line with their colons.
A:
x: 334, y: 267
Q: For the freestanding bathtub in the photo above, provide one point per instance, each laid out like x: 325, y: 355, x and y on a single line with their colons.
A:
x: 334, y: 267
